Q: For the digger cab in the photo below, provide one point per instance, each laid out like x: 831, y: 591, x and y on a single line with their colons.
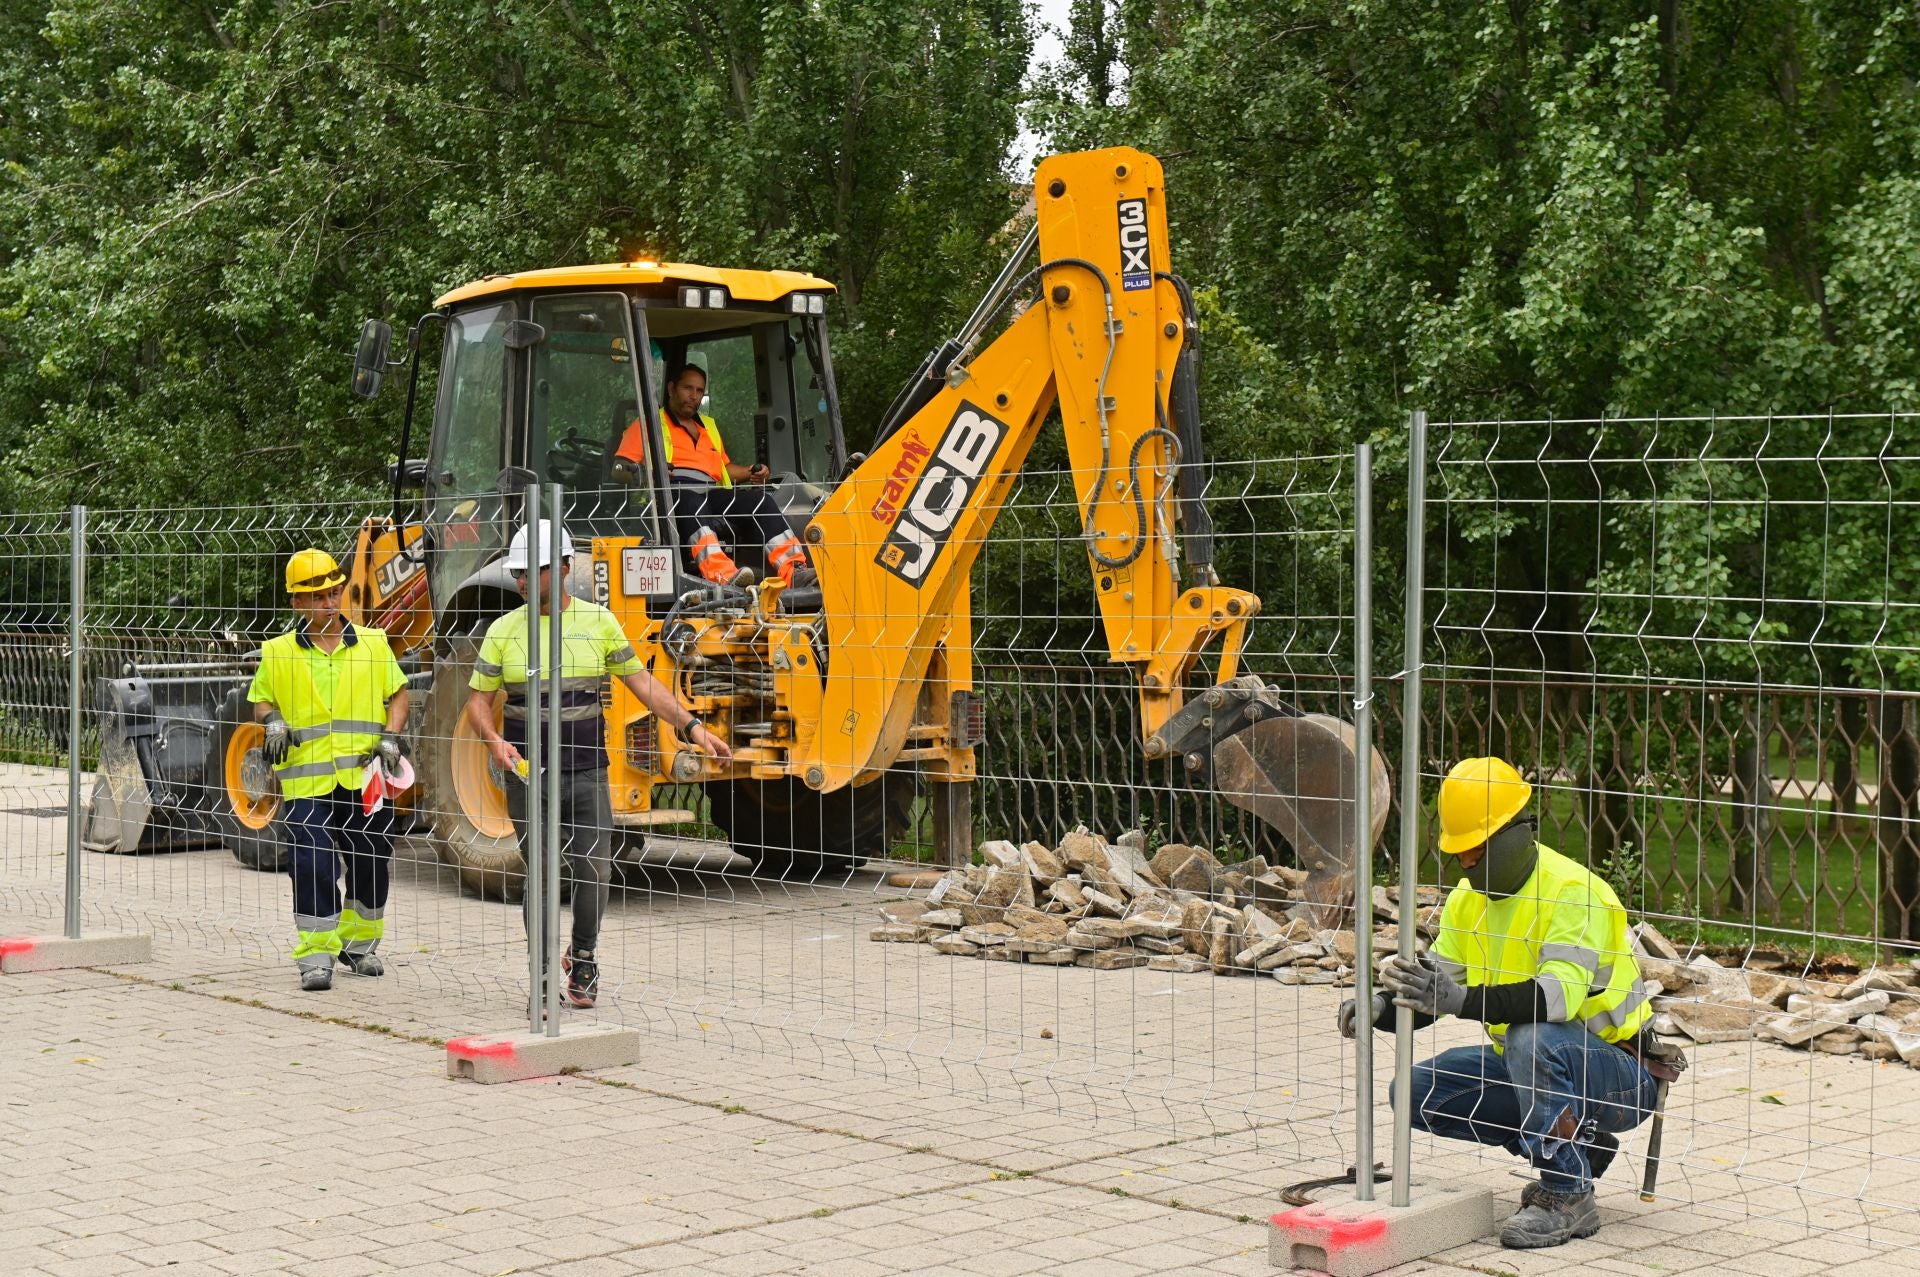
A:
x: 558, y: 376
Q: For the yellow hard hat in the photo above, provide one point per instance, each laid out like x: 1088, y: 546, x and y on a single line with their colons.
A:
x: 311, y: 571
x: 1477, y: 799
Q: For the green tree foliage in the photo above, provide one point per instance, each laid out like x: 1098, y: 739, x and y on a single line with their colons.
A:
x: 198, y: 203
x: 1566, y: 210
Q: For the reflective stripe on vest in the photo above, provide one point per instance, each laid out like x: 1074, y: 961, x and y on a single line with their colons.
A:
x: 1566, y: 931
x: 710, y: 460
x: 330, y: 743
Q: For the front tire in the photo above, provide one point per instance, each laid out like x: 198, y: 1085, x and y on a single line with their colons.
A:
x: 466, y: 808
x: 789, y: 831
x: 248, y: 810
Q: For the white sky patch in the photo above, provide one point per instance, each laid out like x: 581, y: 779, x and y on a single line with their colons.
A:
x: 1050, y: 26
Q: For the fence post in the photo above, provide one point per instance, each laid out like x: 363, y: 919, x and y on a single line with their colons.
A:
x: 535, y: 779
x: 1409, y: 901
x: 556, y: 598
x: 76, y: 612
x: 1363, y: 819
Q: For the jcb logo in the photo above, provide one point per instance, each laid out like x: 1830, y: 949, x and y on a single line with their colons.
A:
x: 914, y: 543
x: 1136, y: 257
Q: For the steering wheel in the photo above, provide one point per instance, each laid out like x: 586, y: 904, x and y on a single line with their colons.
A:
x: 583, y: 457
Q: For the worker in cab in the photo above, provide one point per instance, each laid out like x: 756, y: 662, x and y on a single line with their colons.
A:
x: 710, y: 511
x: 593, y: 647
x: 330, y: 698
x: 1534, y: 946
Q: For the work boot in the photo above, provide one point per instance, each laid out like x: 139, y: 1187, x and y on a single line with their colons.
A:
x: 583, y: 976
x: 1547, y: 1218
x: 803, y: 578
x: 316, y: 979
x: 715, y: 564
x: 367, y: 964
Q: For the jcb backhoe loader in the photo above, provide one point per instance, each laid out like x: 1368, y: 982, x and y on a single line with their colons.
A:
x: 827, y: 693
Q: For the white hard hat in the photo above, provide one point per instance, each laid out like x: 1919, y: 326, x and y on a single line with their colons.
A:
x: 517, y: 548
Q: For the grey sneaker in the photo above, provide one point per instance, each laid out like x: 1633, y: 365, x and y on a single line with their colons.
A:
x: 367, y: 964
x: 316, y: 979
x: 1547, y: 1218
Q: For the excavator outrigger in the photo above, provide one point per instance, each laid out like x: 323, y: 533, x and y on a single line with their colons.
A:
x: 826, y: 693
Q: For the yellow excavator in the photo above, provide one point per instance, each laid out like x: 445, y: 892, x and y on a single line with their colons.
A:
x: 830, y: 694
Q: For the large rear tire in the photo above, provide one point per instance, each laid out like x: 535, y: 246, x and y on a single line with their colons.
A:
x: 789, y: 831
x: 247, y: 808
x: 464, y: 804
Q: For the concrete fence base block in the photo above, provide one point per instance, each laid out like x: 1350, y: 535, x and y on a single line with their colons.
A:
x: 514, y: 1057
x: 1346, y: 1238
x: 21, y: 954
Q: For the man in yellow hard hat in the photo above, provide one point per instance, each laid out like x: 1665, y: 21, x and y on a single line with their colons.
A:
x: 330, y: 697
x: 1535, y: 947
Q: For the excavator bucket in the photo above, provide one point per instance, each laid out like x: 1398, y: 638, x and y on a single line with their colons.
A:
x: 1297, y: 774
x: 1294, y: 771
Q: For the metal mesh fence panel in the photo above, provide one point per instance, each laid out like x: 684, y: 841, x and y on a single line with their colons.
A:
x: 1695, y: 638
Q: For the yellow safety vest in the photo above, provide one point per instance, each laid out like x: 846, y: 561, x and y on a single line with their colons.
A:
x: 1564, y: 928
x: 331, y: 742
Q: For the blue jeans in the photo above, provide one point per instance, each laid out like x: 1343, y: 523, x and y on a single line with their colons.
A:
x: 1519, y: 1100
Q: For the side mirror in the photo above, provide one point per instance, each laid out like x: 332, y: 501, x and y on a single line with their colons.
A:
x: 370, y: 361
x: 411, y: 473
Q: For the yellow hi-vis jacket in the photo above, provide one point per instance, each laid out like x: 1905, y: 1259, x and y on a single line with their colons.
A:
x: 1566, y: 930
x: 334, y: 702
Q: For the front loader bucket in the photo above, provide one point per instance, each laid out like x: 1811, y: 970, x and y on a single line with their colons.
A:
x: 156, y: 781
x: 1297, y: 774
x: 1294, y: 771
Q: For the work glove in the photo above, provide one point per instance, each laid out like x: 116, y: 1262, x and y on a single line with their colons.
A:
x: 1349, y: 1021
x: 1420, y: 985
x: 388, y: 752
x: 279, y: 739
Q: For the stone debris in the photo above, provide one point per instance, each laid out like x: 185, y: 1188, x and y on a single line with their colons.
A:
x: 1114, y: 906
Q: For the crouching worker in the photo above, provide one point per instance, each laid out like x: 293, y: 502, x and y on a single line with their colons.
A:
x: 1535, y: 947
x: 592, y: 647
x: 329, y: 697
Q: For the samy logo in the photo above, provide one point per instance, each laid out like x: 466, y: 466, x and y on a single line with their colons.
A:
x: 913, y: 454
x: 920, y: 534
x: 1136, y: 256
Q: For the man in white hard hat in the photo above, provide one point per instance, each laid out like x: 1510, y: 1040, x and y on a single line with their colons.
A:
x: 593, y: 646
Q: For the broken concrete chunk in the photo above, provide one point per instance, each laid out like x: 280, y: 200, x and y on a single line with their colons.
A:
x: 954, y: 946
x: 1184, y: 963
x: 1714, y: 1022
x: 1258, y: 924
x: 986, y: 933
x: 1002, y: 854
x: 1892, y: 981
x: 904, y: 912
x: 1220, y: 945
x: 1842, y: 1041
x: 1059, y: 956
x: 950, y: 919
x: 1101, y: 902
x: 1112, y: 960
x: 1068, y: 895
x: 1297, y: 975
x: 1133, y: 869
x: 895, y: 933
x: 1170, y: 857
x: 1646, y: 941
x: 999, y: 953
x: 1028, y: 945
x: 1024, y: 915
x: 1253, y: 953
x: 1118, y: 928
x: 1052, y: 930
x: 1081, y: 849
x: 1079, y: 939
x: 1153, y: 944
x: 1340, y: 944
x: 1792, y: 1029
x: 1042, y: 863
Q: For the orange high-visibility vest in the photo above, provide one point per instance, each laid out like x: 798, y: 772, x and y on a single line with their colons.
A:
x: 705, y: 453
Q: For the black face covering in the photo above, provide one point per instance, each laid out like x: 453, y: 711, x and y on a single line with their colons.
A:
x: 1507, y: 863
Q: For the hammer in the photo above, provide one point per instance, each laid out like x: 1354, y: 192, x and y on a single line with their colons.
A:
x: 1652, y: 1175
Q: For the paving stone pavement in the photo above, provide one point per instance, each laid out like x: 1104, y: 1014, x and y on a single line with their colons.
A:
x: 806, y: 1102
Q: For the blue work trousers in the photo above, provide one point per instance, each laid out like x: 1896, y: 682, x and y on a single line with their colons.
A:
x: 1518, y: 1100
x: 330, y: 833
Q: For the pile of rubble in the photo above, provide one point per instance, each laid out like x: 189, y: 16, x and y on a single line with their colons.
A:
x: 1106, y: 906
x: 1876, y: 1015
